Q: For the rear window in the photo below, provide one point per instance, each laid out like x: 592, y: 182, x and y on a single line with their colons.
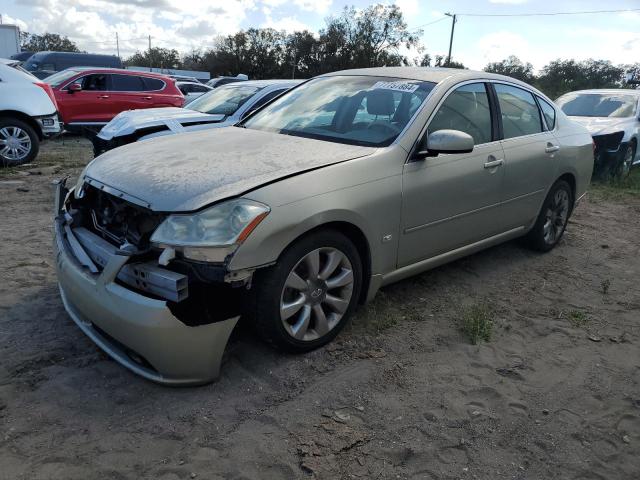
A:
x: 152, y: 83
x: 548, y: 112
x: 126, y: 83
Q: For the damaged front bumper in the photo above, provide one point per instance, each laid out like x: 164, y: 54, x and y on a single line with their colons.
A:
x: 138, y: 331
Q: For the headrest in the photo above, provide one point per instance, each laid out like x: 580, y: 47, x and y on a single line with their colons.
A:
x: 380, y: 102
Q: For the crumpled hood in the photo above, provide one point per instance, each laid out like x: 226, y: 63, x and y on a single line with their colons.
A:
x: 603, y: 125
x: 185, y: 172
x: 126, y: 123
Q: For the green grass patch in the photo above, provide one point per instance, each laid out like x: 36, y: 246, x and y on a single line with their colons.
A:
x: 477, y: 323
x: 618, y: 188
x: 578, y: 318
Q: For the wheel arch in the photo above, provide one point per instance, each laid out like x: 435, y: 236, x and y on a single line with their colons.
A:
x: 25, y: 118
x: 357, y: 237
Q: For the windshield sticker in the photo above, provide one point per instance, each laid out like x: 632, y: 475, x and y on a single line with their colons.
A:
x: 398, y: 86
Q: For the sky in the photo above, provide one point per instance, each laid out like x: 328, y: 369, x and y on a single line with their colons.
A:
x: 185, y: 25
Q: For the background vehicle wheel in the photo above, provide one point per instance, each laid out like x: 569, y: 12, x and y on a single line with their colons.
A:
x: 18, y: 142
x: 553, y: 218
x: 304, y: 300
x: 627, y: 159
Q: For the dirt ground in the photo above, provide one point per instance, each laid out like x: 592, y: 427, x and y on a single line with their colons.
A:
x: 402, y: 393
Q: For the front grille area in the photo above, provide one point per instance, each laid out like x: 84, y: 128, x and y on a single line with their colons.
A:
x: 117, y: 220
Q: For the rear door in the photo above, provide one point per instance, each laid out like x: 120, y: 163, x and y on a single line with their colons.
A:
x: 453, y: 200
x: 530, y: 151
x: 129, y: 93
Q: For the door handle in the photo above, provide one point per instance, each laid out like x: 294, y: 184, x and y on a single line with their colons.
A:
x: 494, y: 163
x: 147, y: 98
x: 551, y: 148
x: 103, y: 96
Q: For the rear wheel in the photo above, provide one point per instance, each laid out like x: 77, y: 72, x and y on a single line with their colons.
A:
x: 553, y: 218
x: 308, y: 296
x: 18, y: 142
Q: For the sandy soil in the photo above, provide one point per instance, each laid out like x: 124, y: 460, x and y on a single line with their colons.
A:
x: 555, y: 393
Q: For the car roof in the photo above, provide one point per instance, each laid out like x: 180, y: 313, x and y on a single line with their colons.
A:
x: 189, y: 82
x: 120, y: 71
x: 426, y: 74
x: 613, y: 91
x: 72, y: 54
x: 263, y: 83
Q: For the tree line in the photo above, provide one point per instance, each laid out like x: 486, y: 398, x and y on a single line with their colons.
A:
x: 371, y: 37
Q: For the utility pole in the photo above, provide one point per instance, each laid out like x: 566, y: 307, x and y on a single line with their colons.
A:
x: 453, y: 27
x: 117, y: 45
x: 150, y: 61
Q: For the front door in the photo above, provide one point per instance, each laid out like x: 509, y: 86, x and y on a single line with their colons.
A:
x: 91, y: 104
x: 453, y: 200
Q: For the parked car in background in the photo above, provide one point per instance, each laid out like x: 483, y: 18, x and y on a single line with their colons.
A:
x: 219, y: 81
x: 348, y: 182
x: 22, y: 56
x: 613, y: 119
x: 88, y: 98
x: 28, y: 114
x: 220, y: 107
x: 184, y: 78
x: 192, y: 90
x: 43, y: 64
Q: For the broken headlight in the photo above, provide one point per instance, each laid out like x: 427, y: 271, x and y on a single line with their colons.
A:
x: 212, y: 234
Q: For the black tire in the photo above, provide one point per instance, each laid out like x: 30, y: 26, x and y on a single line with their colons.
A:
x: 34, y: 146
x: 630, y: 152
x: 269, y: 284
x: 537, y: 238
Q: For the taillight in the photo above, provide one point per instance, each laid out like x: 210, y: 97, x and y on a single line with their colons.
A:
x: 47, y: 88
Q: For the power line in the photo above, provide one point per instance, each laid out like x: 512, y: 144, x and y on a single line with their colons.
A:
x: 430, y: 23
x: 546, y: 14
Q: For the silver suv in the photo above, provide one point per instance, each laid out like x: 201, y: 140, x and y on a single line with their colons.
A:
x: 346, y: 183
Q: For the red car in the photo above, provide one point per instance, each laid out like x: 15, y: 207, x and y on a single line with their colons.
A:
x: 91, y: 97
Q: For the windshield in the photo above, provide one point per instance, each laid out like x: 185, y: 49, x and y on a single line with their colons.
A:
x: 358, y: 110
x: 59, y: 78
x: 598, y: 105
x: 223, y: 100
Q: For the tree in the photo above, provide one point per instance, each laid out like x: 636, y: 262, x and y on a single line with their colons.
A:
x: 370, y: 38
x: 562, y: 76
x: 440, y: 61
x: 47, y: 42
x: 157, y: 58
x: 512, y: 67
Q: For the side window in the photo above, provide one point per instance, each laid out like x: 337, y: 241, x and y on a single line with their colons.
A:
x: 151, y: 84
x: 269, y: 96
x: 465, y: 109
x: 520, y: 113
x: 96, y: 82
x: 126, y: 83
x: 185, y: 89
x: 549, y: 113
x: 199, y: 88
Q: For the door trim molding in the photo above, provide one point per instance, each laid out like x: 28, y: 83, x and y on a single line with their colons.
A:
x: 447, y: 219
x: 429, y: 263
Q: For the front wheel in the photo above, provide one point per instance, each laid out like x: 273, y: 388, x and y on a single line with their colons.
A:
x: 627, y: 159
x: 18, y: 142
x: 308, y: 296
x: 553, y: 218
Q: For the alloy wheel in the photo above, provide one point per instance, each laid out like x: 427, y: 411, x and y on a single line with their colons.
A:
x: 556, y: 217
x: 15, y: 143
x: 627, y: 161
x: 316, y: 294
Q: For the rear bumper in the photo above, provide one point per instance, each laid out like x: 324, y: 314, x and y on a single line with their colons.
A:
x: 137, y: 331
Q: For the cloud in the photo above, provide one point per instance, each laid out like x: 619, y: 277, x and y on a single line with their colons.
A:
x: 9, y: 20
x: 288, y: 24
x: 509, y: 2
x: 409, y: 7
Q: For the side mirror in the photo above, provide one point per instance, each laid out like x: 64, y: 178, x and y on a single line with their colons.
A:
x: 75, y: 87
x: 445, y: 141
